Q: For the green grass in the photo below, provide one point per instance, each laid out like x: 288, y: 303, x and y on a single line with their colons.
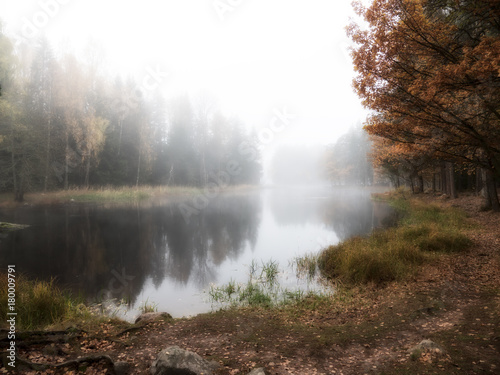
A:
x: 41, y: 304
x: 306, y: 266
x: 148, y: 307
x: 396, y: 253
x: 37, y: 304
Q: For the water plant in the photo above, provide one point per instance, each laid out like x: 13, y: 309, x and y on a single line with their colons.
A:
x: 263, y: 288
x: 148, y: 307
x: 38, y: 303
x: 306, y: 266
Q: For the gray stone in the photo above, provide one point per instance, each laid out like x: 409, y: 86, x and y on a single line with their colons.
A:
x: 151, y: 316
x: 258, y: 371
x: 177, y: 361
x: 426, y: 346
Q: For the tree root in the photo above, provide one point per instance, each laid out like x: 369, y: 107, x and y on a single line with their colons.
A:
x: 74, y: 363
x: 28, y: 338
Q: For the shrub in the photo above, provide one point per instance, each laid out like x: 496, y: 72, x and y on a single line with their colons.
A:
x: 37, y: 303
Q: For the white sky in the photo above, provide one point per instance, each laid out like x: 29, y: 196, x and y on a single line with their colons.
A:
x: 254, y: 57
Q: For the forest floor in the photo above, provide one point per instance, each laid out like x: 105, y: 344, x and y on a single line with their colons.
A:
x: 454, y: 301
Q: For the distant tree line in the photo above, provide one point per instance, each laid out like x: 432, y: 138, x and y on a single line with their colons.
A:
x: 347, y: 162
x: 428, y: 70
x: 344, y: 162
x: 64, y: 124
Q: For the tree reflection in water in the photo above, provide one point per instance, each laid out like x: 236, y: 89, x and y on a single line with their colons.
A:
x: 121, y: 251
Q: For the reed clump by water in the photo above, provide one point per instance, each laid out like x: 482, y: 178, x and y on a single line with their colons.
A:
x: 41, y: 304
x: 37, y: 303
x: 263, y: 289
x: 424, y: 232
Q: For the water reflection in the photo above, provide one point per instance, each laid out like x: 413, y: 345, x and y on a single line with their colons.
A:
x: 149, y: 251
x: 347, y: 212
x: 86, y: 247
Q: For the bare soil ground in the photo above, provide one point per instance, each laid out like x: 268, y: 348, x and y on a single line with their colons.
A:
x: 454, y: 301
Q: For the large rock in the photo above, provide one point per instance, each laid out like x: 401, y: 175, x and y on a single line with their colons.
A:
x: 177, y: 361
x: 258, y: 371
x: 151, y: 316
x: 426, y: 346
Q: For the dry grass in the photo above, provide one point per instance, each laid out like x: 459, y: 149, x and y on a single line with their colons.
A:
x: 396, y: 253
x: 111, y: 194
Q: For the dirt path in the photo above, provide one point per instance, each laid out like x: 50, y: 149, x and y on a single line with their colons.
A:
x: 455, y: 302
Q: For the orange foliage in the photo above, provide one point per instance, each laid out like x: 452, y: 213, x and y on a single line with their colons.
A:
x: 430, y: 71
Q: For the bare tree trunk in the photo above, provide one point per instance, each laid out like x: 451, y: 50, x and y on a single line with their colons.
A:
x: 13, y: 164
x: 489, y: 191
x: 444, y: 187
x: 47, y: 157
x: 138, y: 170
x: 87, y: 174
x: 19, y: 191
x: 396, y: 182
x: 479, y: 180
x: 203, y: 170
x: 451, y: 187
x: 412, y: 185
x: 66, y: 161
x: 120, y: 122
x: 170, y: 175
x: 19, y: 196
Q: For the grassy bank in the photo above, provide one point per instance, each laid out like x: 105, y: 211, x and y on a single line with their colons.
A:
x: 109, y: 194
x: 423, y: 232
x: 43, y: 305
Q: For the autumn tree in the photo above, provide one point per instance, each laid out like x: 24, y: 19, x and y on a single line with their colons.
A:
x: 429, y: 71
x: 407, y: 163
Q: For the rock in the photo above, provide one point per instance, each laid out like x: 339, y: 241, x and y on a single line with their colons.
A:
x: 177, y: 361
x: 151, y: 316
x: 426, y: 346
x: 258, y: 371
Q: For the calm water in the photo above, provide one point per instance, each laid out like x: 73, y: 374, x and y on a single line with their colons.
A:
x: 149, y: 252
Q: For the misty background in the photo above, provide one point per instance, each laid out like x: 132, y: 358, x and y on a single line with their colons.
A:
x: 129, y: 93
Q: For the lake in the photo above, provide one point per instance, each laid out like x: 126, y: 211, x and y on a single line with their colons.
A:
x: 151, y: 252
